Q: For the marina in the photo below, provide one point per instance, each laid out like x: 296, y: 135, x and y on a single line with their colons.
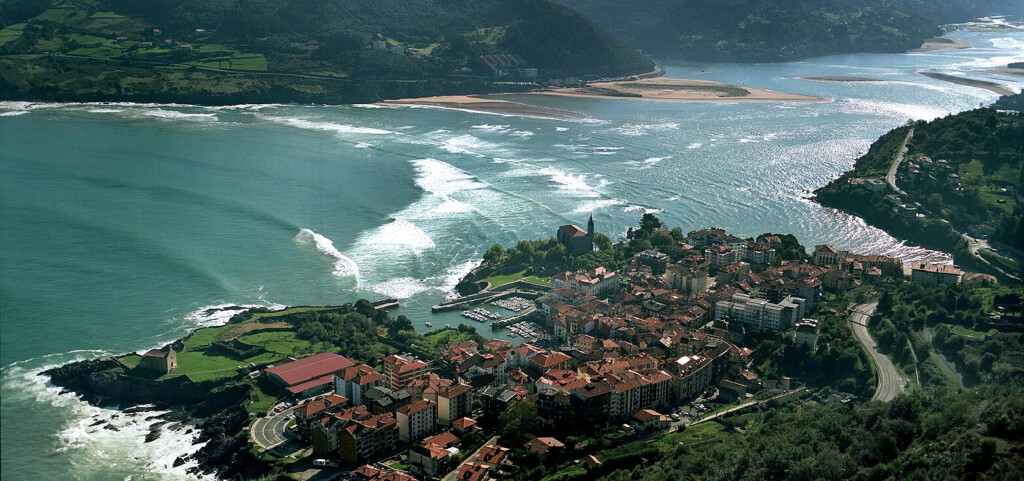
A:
x: 481, y: 315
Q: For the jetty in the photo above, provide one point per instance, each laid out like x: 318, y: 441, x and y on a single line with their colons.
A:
x: 526, y: 290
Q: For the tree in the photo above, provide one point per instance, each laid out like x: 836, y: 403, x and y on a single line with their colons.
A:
x: 602, y: 242
x: 495, y: 256
x: 650, y: 223
x: 519, y: 422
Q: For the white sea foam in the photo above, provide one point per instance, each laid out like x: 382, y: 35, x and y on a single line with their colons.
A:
x: 363, y: 145
x: 574, y: 184
x: 175, y: 115
x: 635, y: 130
x: 94, y: 449
x: 343, y: 266
x: 340, y: 129
x: 694, y: 145
x: 561, y: 129
x: 640, y: 208
x: 595, y: 205
x: 404, y: 233
x: 13, y: 113
x: 654, y: 160
x: 401, y: 287
x: 218, y: 315
x: 455, y: 273
x: 466, y: 144
x: 441, y: 178
x: 102, y: 110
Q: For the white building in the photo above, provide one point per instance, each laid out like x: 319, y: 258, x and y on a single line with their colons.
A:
x: 761, y: 315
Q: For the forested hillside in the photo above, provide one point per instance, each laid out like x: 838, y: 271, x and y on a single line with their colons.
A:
x: 335, y: 50
x: 775, y: 30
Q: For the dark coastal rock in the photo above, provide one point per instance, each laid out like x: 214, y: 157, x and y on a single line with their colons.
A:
x: 178, y: 461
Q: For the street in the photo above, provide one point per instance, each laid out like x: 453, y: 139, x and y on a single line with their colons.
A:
x: 890, y: 383
x: 268, y: 432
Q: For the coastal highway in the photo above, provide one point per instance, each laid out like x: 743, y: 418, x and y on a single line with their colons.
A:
x: 268, y: 432
x: 889, y: 381
x: 891, y: 176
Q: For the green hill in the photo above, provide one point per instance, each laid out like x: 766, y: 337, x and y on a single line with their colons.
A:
x: 778, y: 30
x: 216, y: 51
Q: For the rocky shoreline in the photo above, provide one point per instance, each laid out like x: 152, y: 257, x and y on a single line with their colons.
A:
x: 213, y: 408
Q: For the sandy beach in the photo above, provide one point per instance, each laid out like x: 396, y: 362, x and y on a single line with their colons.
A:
x: 981, y: 84
x: 677, y: 90
x: 490, y: 106
x: 1016, y: 72
x: 839, y: 78
x: 939, y: 44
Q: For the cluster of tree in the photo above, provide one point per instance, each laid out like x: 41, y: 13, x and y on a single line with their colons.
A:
x: 353, y: 329
x: 839, y: 360
x: 992, y: 138
x: 934, y: 434
x: 1011, y: 102
x: 954, y: 322
x: 774, y: 30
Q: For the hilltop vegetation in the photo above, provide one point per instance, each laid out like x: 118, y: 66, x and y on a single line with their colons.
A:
x: 221, y: 51
x: 779, y: 30
x: 983, y: 149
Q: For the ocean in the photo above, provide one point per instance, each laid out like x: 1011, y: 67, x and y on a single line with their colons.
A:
x: 121, y: 224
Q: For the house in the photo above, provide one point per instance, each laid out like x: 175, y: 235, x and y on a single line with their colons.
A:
x: 649, y: 420
x: 493, y: 456
x: 825, y: 255
x: 355, y: 433
x: 309, y: 376
x: 432, y: 459
x: 316, y: 409
x: 162, y: 360
x: 544, y: 445
x: 761, y: 315
x: 416, y: 420
x: 922, y: 272
x: 355, y: 381
x: 464, y: 426
x: 453, y: 403
x: 399, y: 371
x: 729, y: 391
x: 806, y: 333
x: 654, y: 259
x: 473, y: 472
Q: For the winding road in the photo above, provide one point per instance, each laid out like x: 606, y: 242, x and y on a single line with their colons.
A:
x: 890, y: 384
x: 890, y: 178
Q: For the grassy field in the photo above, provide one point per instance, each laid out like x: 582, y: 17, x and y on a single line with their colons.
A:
x: 972, y: 334
x: 132, y: 360
x: 253, y: 61
x: 11, y: 33
x: 500, y: 280
x: 263, y: 396
x: 445, y: 337
x: 703, y: 432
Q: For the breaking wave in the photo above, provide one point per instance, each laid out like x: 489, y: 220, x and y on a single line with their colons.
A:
x: 343, y: 266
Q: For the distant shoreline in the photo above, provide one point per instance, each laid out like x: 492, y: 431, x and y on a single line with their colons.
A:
x: 940, y: 44
x: 981, y: 84
x: 471, y: 103
x: 839, y: 78
x: 677, y: 90
x: 1015, y: 72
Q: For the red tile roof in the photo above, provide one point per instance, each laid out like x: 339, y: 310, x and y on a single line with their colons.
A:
x: 320, y: 381
x: 303, y: 370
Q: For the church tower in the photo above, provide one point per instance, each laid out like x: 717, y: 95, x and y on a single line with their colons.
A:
x: 590, y: 226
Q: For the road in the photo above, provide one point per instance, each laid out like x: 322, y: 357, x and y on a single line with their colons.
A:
x: 268, y: 432
x: 890, y: 383
x: 890, y: 178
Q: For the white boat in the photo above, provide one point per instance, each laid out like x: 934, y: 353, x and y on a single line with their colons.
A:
x: 430, y: 325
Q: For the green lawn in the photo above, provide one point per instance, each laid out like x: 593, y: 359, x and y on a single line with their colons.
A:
x: 132, y: 360
x: 693, y: 434
x: 106, y: 15
x: 200, y: 366
x: 263, y: 396
x: 203, y: 337
x: 283, y: 343
x: 11, y: 33
x: 970, y: 333
x: 445, y: 337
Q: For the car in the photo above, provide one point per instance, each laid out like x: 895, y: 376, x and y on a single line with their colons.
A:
x: 675, y: 417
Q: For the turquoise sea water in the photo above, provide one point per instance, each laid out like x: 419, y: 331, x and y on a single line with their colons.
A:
x: 120, y: 224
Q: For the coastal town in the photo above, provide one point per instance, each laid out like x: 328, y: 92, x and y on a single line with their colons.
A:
x: 665, y: 342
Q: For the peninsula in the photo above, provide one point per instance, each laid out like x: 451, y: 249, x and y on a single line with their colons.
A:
x: 676, y: 90
x: 641, y: 349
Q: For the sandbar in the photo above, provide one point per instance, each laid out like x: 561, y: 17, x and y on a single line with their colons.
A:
x: 677, y: 90
x: 1016, y: 72
x: 839, y: 78
x: 939, y: 44
x: 981, y: 84
x: 471, y: 103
